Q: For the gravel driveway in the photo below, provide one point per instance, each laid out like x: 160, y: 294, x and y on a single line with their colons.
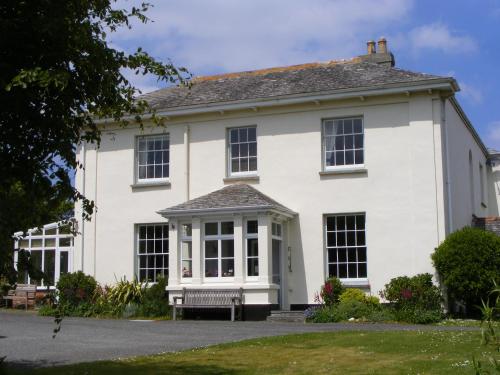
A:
x: 26, y: 339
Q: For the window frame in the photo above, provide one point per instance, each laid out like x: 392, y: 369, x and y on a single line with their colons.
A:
x: 147, y: 254
x: 229, y: 171
x: 344, y: 167
x: 219, y: 237
x: 146, y: 181
x: 251, y: 236
x: 347, y: 280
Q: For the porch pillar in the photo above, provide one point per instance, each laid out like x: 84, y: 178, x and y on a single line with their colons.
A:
x: 173, y: 256
x: 239, y: 250
x: 197, y: 251
x: 265, y: 248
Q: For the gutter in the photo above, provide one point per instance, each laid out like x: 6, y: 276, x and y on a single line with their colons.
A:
x: 226, y: 210
x: 447, y: 84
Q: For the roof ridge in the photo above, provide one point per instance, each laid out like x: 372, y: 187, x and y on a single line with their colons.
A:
x: 285, y: 68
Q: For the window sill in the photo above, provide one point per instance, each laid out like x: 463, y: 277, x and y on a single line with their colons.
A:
x: 242, y: 178
x: 352, y: 170
x: 358, y: 283
x: 140, y: 185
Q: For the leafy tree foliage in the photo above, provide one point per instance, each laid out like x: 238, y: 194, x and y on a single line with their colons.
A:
x: 468, y: 263
x: 58, y: 77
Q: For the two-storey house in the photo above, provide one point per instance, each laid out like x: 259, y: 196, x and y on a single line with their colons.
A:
x: 273, y: 180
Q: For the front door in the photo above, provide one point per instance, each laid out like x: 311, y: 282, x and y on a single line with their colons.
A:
x: 277, y: 267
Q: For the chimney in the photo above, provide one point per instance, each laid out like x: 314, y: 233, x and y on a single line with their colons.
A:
x: 370, y: 45
x: 378, y: 54
x: 382, y: 45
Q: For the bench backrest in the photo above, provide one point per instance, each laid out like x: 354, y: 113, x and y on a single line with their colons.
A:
x: 211, y: 297
x: 23, y: 289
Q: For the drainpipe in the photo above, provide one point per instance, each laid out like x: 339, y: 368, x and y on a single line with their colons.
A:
x: 83, y: 193
x: 186, y: 157
x: 447, y: 157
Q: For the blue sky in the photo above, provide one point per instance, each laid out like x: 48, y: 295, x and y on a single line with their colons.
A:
x: 459, y: 38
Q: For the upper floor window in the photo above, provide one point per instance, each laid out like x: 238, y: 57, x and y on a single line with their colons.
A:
x: 152, y: 251
x: 343, y: 142
x: 346, y: 246
x: 242, y: 150
x: 153, y: 158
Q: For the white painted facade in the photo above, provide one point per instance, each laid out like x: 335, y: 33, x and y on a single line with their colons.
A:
x: 415, y: 188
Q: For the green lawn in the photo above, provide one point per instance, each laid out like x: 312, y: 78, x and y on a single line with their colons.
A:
x: 319, y: 353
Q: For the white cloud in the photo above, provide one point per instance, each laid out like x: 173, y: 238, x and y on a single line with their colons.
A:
x: 438, y: 36
x: 493, y: 135
x: 470, y: 93
x: 228, y: 35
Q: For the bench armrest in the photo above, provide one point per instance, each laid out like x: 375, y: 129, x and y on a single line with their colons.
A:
x: 178, y: 298
x: 234, y: 299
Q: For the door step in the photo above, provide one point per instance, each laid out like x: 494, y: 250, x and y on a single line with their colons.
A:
x: 286, y: 316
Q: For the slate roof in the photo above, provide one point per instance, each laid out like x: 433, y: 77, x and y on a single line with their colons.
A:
x: 236, y: 197
x: 278, y: 82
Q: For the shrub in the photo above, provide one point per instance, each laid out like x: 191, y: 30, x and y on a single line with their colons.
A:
x: 414, y: 299
x: 126, y: 292
x: 75, y: 288
x: 413, y: 292
x: 331, y: 291
x: 154, y: 301
x: 468, y: 262
x: 346, y: 310
x: 354, y: 294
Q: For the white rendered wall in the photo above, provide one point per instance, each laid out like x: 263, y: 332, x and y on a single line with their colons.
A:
x: 401, y: 194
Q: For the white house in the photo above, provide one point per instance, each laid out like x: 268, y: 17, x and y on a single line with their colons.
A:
x: 272, y: 180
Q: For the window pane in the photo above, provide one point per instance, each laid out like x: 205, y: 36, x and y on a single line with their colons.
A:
x: 332, y: 270
x: 211, y: 268
x: 360, y: 238
x: 362, y: 254
x: 252, y: 134
x: 235, y: 165
x: 186, y: 230
x: 243, y: 165
x: 187, y: 268
x: 358, y: 141
x: 339, y: 127
x: 342, y: 255
x: 65, y: 242
x: 362, y: 270
x: 142, y: 247
x: 342, y: 271
x: 339, y: 158
x: 243, y: 133
x: 347, y: 126
x: 63, y: 262
x: 142, y: 145
x: 253, y: 267
x: 352, y: 271
x: 358, y: 125
x: 211, y: 249
x: 349, y: 157
x: 150, y: 171
x: 341, y: 239
x: 252, y: 247
x: 235, y: 151
x: 252, y: 164
x: 350, y: 223
x: 331, y: 239
x: 244, y: 149
x: 227, y: 267
x: 328, y: 127
x: 358, y: 156
x: 50, y: 266
x: 187, y: 251
x: 360, y: 221
x: 227, y: 227
x: 339, y: 143
x: 330, y: 158
x: 252, y: 149
x: 234, y: 135
x: 227, y: 248
x: 158, y: 171
x: 142, y: 172
x: 349, y: 142
x: 252, y: 226
x: 211, y: 229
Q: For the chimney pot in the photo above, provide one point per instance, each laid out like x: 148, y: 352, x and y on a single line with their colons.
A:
x: 382, y: 45
x: 370, y: 45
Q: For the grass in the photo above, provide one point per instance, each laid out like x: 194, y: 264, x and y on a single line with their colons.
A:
x: 403, y: 352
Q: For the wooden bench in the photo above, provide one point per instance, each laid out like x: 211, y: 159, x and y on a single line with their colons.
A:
x: 24, y: 294
x: 210, y: 299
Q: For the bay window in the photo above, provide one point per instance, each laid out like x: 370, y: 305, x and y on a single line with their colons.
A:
x: 219, y: 249
x: 252, y: 247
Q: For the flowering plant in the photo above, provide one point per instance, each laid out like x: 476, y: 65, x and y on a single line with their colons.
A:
x: 330, y: 292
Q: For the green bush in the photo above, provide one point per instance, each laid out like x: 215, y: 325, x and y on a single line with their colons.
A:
x: 351, y: 309
x: 75, y: 289
x: 154, y: 302
x: 413, y: 292
x: 414, y: 299
x: 126, y: 292
x: 468, y: 262
x: 331, y: 291
x: 354, y: 294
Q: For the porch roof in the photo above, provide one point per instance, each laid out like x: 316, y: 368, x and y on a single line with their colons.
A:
x: 230, y: 199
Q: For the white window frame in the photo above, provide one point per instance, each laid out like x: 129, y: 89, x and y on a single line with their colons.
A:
x: 137, y: 164
x: 184, y: 238
x: 230, y: 172
x: 251, y: 236
x: 324, y: 151
x: 219, y: 238
x: 154, y: 254
x: 346, y: 280
x: 49, y: 232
